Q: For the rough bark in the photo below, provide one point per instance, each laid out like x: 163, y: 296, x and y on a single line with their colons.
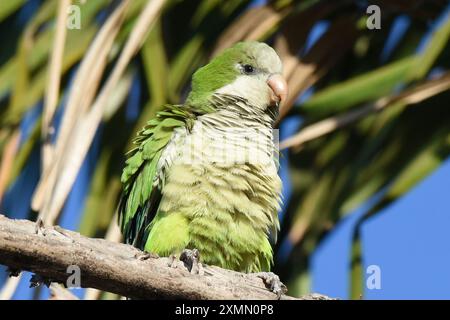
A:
x: 117, y: 268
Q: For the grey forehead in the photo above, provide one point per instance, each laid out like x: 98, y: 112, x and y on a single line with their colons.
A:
x: 266, y: 58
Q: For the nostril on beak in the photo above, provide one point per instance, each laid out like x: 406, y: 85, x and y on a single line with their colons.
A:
x: 279, y: 87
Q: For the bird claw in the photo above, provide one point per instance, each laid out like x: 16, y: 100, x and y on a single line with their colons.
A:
x: 40, y: 227
x: 191, y: 260
x: 172, y: 261
x: 142, y: 256
x: 273, y: 283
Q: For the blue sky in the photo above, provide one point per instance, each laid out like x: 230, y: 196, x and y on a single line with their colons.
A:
x: 409, y: 241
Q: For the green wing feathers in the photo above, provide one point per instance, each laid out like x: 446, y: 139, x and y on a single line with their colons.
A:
x: 141, y: 184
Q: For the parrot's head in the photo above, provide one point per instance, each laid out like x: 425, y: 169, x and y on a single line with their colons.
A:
x: 250, y: 70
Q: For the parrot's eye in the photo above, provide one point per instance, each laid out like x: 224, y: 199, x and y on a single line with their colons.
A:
x: 248, y: 69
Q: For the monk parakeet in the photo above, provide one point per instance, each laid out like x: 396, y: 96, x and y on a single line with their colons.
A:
x: 203, y: 174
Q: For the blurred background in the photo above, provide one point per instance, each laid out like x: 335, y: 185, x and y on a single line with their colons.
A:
x: 365, y: 133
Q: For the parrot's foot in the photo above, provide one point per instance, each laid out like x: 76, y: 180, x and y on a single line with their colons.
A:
x: 39, y: 227
x: 142, y: 256
x: 172, y: 261
x: 273, y: 283
x: 191, y: 260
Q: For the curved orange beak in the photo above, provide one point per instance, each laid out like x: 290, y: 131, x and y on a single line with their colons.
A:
x: 279, y: 89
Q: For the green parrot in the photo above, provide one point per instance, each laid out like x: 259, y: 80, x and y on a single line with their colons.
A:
x: 203, y: 174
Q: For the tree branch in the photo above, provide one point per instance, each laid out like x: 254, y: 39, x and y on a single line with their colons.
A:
x: 117, y: 268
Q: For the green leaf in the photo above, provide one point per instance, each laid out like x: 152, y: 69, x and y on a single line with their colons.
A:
x: 437, y: 44
x: 155, y: 65
x: 357, y: 275
x: 8, y: 7
x: 365, y: 87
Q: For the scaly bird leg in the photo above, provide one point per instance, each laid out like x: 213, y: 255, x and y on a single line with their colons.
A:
x: 191, y: 260
x: 273, y: 283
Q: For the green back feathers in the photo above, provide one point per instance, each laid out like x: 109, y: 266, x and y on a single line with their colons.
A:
x: 141, y: 190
